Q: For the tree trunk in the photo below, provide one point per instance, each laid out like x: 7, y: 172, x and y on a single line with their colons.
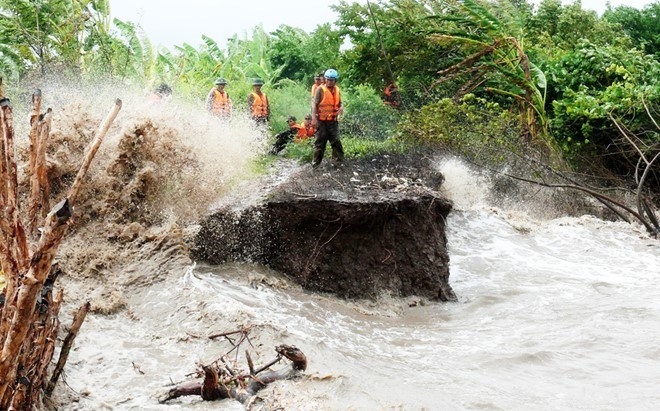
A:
x: 29, y: 321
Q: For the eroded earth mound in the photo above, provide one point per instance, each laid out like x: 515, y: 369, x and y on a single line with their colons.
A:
x: 369, y: 227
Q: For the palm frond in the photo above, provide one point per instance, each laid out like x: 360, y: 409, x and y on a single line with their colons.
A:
x: 482, y: 17
x: 212, y: 48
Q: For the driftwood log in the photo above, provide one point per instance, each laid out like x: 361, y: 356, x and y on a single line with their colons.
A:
x: 29, y: 306
x: 222, y: 381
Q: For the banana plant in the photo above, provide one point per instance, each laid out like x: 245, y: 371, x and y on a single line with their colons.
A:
x: 138, y: 54
x: 242, y: 60
x: 496, y: 60
x: 253, y: 56
x: 44, y: 33
x: 191, y: 68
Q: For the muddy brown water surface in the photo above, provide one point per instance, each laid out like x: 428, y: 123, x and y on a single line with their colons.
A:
x: 553, y: 312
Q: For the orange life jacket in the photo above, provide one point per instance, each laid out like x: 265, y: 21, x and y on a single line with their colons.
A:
x: 301, y: 133
x: 309, y: 131
x: 391, y: 96
x: 314, y: 87
x: 300, y: 130
x: 329, y: 105
x: 221, y: 102
x: 259, y: 107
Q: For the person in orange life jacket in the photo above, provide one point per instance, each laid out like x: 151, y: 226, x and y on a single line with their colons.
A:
x: 218, y: 102
x: 258, y: 104
x: 162, y: 92
x: 326, y: 107
x: 281, y: 139
x: 310, y: 130
x: 391, y: 95
x: 318, y: 80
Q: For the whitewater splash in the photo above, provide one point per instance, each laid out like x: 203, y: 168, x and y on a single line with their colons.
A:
x: 555, y: 313
x: 169, y: 159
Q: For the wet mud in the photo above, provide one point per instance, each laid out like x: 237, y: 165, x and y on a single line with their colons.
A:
x: 371, y: 226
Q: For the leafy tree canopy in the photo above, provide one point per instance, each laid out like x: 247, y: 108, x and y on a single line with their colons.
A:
x: 640, y: 25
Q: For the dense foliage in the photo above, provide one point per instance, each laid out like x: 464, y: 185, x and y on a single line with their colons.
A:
x: 599, y: 82
x: 477, y: 120
x: 567, y: 76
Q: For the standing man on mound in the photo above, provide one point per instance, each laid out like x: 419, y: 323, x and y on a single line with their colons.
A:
x: 258, y: 105
x: 218, y: 102
x: 326, y: 108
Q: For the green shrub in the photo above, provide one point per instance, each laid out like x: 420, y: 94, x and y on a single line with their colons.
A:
x: 288, y: 99
x: 598, y: 82
x: 303, y: 151
x: 354, y: 147
x: 467, y: 128
x: 366, y: 116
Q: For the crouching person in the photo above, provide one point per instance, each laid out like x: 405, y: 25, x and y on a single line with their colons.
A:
x: 282, y: 139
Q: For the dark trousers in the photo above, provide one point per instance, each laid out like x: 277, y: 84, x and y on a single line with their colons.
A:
x: 328, y: 132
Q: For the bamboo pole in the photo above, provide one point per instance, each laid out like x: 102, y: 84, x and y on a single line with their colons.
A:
x: 20, y: 247
x: 33, y: 204
x: 43, y: 195
x: 92, y: 148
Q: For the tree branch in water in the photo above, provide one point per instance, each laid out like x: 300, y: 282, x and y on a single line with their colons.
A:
x: 222, y: 381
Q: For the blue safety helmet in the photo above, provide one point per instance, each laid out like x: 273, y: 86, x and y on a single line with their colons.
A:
x: 331, y: 74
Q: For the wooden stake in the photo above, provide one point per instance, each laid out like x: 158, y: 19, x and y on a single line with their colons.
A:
x: 92, y: 148
x: 66, y: 346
